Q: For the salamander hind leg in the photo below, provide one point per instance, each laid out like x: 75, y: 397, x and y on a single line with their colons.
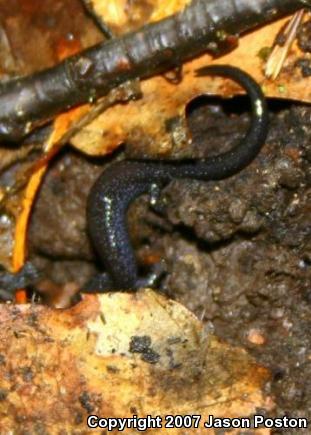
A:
x: 98, y: 284
x: 153, y: 278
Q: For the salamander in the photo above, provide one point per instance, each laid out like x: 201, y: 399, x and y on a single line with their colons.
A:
x: 123, y: 181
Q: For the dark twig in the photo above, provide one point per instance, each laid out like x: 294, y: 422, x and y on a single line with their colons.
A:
x: 103, y: 27
x: 31, y: 101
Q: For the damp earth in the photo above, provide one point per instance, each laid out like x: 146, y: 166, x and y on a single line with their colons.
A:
x: 237, y: 252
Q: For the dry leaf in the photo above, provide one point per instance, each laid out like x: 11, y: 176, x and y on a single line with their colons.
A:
x: 123, y: 16
x: 50, y: 36
x: 117, y: 355
x: 60, y: 126
x: 144, y: 123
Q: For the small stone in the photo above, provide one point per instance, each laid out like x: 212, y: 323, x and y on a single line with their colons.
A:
x: 237, y: 210
x: 255, y: 336
x: 252, y: 222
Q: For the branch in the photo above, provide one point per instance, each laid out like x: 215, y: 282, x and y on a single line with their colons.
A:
x: 204, y: 25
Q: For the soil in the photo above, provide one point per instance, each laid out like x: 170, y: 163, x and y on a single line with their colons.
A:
x: 237, y: 252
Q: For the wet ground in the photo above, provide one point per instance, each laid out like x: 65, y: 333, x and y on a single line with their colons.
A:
x: 237, y: 252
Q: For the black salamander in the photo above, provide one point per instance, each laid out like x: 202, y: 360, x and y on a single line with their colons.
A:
x: 124, y: 181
